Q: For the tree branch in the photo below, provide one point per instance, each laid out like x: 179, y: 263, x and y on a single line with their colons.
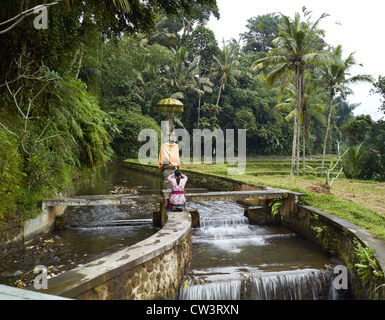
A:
x: 45, y: 128
x: 53, y: 136
x: 9, y: 130
x: 335, y: 165
x: 14, y: 98
x: 21, y: 16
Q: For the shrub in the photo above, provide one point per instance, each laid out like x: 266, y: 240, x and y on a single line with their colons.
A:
x: 10, y: 174
x: 354, y: 162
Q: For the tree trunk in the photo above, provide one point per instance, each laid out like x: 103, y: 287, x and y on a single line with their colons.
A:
x: 304, y: 145
x: 298, y: 139
x: 220, y: 89
x: 199, y: 110
x: 301, y: 100
x: 327, y: 131
x: 80, y: 60
x: 294, y: 150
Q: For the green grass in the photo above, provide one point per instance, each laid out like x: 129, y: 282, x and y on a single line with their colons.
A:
x: 353, y: 212
x: 275, y: 173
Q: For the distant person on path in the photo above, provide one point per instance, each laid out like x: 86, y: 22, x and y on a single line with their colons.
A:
x: 178, y: 181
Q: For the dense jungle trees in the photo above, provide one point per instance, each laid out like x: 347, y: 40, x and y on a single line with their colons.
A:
x: 77, y: 94
x: 55, y: 126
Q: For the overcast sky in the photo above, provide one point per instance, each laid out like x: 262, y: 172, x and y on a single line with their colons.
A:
x: 356, y: 25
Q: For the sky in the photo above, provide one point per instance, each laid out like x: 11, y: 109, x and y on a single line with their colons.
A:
x: 356, y: 25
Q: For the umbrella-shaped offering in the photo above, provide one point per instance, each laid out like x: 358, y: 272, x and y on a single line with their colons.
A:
x: 169, y: 105
x: 169, y: 152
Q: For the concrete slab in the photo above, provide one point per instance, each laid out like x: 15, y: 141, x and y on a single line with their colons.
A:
x: 80, y: 279
x: 93, y: 200
x: 12, y: 293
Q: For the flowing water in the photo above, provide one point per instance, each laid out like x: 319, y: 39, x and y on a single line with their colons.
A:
x: 235, y: 260
x: 231, y: 258
x: 91, y: 232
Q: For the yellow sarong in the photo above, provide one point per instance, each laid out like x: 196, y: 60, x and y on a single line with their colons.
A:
x: 169, y: 154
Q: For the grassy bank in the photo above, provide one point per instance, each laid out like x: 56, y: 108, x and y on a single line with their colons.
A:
x: 360, y: 202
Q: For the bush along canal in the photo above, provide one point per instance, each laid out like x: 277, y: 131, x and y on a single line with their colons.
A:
x: 233, y: 260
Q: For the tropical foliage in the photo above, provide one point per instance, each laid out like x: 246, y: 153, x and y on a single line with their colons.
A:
x: 77, y: 94
x: 337, y: 79
x: 296, y: 48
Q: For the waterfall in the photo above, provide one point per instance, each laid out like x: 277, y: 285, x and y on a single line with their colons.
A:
x: 94, y: 216
x: 233, y: 260
x: 220, y: 290
x: 306, y: 284
x: 220, y: 222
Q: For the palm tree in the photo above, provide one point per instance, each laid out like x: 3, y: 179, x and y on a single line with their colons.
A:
x: 312, y: 109
x: 185, y: 76
x: 353, y: 161
x: 181, y: 75
x: 337, y: 78
x: 226, y: 65
x: 206, y: 86
x: 295, y: 50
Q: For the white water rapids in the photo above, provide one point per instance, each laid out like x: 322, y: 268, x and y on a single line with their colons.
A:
x: 233, y: 260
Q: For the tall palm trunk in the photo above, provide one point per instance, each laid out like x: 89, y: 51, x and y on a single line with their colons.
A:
x: 304, y: 150
x: 327, y: 131
x: 301, y: 100
x: 199, y: 110
x: 305, y: 129
x: 220, y: 89
x: 299, y: 92
x: 294, y: 150
x: 298, y: 139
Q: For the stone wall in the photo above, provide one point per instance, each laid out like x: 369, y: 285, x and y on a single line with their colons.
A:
x: 335, y: 235
x: 43, y: 223
x: 150, y: 269
x: 158, y: 278
x: 205, y: 180
x: 11, y: 237
x: 215, y: 183
x: 14, y: 234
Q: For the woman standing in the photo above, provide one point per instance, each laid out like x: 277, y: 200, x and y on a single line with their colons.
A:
x: 178, y: 181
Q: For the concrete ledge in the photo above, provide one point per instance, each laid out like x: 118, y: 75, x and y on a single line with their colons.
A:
x: 12, y: 293
x: 101, y: 200
x: 337, y: 236
x: 240, y: 195
x: 98, y: 200
x: 42, y: 223
x: 82, y: 282
x: 207, y: 180
x: 333, y: 234
x: 350, y: 228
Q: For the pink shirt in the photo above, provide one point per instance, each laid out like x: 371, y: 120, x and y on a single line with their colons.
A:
x: 177, y: 199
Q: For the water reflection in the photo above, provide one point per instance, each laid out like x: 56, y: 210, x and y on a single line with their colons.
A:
x: 119, y: 174
x: 84, y: 240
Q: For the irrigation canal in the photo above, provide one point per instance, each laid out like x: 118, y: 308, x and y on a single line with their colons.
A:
x: 231, y: 258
